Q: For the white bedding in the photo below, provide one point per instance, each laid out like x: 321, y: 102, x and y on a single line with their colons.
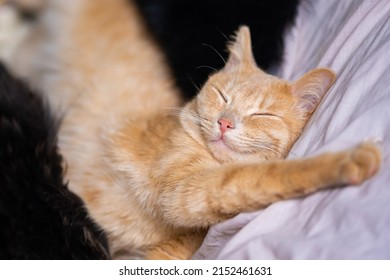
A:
x: 353, y: 38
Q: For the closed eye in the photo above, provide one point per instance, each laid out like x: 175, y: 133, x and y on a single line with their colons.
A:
x: 265, y: 115
x: 221, y: 94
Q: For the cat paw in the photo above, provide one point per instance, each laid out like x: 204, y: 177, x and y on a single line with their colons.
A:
x: 362, y: 163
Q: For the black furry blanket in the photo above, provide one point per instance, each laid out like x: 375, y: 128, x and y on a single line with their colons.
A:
x: 39, y: 217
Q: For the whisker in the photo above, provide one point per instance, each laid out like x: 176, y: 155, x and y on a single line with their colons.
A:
x: 173, y: 110
x: 261, y: 145
x: 224, y: 61
x: 193, y: 83
x: 223, y: 34
x: 191, y: 116
x: 266, y: 147
x: 205, y: 66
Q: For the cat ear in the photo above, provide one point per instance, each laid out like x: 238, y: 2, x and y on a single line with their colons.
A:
x: 311, y: 88
x: 240, y: 50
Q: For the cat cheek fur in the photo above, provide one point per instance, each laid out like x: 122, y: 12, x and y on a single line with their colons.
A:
x: 209, y: 108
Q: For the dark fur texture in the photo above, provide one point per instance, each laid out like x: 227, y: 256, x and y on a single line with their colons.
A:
x: 39, y: 217
x: 193, y: 32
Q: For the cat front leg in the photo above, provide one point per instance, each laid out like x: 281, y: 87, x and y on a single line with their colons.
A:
x: 302, y: 177
x: 213, y: 195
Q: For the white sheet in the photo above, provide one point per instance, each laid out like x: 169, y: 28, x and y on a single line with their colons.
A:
x: 353, y: 38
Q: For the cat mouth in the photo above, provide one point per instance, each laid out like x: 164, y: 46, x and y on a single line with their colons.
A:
x: 221, y: 144
x: 222, y: 150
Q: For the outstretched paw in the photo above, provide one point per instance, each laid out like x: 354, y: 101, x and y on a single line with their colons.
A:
x: 362, y: 163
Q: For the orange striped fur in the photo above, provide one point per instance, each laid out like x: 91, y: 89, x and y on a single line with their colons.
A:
x: 155, y: 177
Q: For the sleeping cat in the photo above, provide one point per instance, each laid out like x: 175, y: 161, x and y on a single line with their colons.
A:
x: 154, y: 177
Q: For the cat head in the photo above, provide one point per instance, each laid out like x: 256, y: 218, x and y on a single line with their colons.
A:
x: 242, y: 113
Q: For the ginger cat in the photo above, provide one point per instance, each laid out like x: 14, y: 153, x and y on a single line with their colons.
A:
x: 155, y: 179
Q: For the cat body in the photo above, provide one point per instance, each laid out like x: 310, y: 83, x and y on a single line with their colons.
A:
x: 156, y: 178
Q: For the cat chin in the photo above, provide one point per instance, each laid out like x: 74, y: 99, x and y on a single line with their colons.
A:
x: 222, y: 152
x: 221, y: 144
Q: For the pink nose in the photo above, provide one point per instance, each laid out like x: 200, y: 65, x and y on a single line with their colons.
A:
x: 225, y: 124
